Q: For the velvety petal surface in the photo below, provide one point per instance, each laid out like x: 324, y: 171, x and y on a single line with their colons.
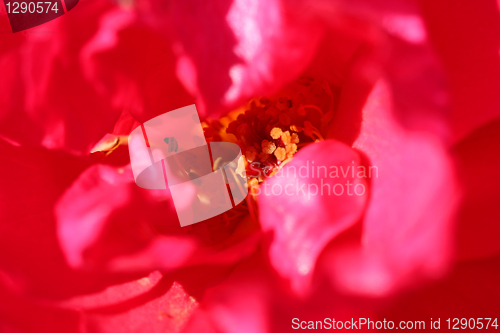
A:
x: 382, y: 39
x: 159, y: 305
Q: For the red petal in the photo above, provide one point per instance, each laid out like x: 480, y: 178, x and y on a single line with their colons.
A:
x: 165, y: 308
x: 479, y: 161
x: 407, y: 226
x: 44, y: 91
x: 470, y: 291
x: 304, y: 213
x: 465, y: 35
x: 231, y: 50
x: 19, y: 314
x: 30, y: 255
x: 152, y: 303
x: 136, y: 64
x: 104, y: 215
x: 67, y: 89
x: 106, y: 222
x: 254, y: 300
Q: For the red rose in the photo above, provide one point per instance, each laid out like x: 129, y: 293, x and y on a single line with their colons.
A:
x: 389, y: 106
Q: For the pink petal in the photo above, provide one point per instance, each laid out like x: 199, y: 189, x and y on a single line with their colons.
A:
x: 152, y: 303
x: 303, y: 213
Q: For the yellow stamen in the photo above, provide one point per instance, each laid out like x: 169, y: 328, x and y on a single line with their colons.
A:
x: 268, y: 147
x: 276, y: 132
x: 291, y: 148
x: 285, y: 137
x: 280, y: 153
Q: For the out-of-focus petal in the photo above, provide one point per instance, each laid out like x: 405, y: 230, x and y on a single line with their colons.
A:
x: 466, y: 36
x: 165, y: 307
x: 104, y: 215
x: 471, y: 290
x: 66, y: 89
x: 311, y: 200
x: 231, y: 50
x: 479, y: 162
x: 253, y: 299
x: 45, y: 92
x: 20, y: 314
x: 136, y: 64
x: 152, y: 303
x: 30, y: 256
x: 383, y: 39
x: 408, y: 224
x: 242, y: 303
x: 106, y: 222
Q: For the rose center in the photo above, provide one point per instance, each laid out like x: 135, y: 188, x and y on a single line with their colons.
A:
x: 271, y: 130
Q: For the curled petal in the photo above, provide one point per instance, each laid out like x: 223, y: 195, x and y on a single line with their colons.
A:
x: 104, y: 215
x: 107, y: 223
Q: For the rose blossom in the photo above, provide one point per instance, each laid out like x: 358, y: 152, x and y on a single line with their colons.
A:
x: 104, y: 255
